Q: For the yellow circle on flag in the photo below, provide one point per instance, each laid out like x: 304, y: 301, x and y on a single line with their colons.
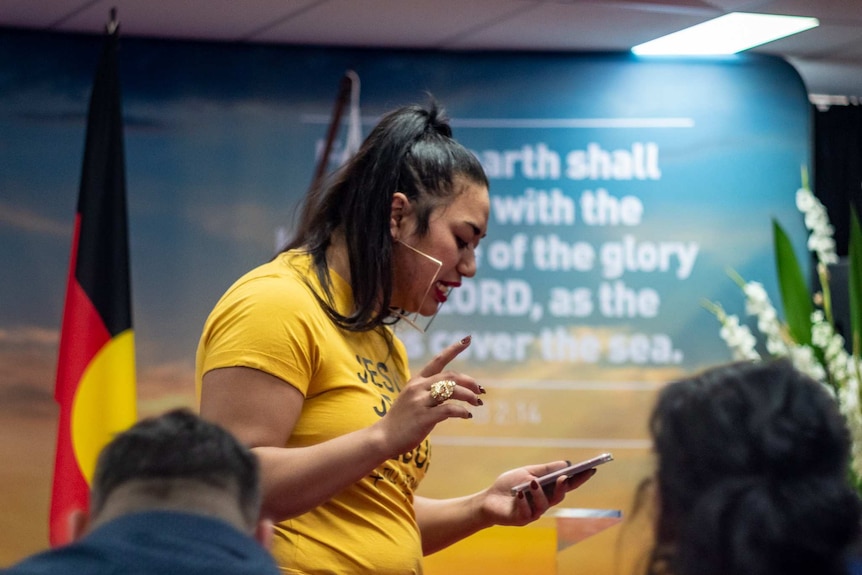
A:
x: 105, y: 400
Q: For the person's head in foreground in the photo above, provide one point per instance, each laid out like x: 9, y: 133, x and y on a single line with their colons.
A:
x: 176, y: 461
x: 172, y: 494
x: 752, y: 475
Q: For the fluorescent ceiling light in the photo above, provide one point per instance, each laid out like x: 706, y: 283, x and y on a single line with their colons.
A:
x: 727, y: 34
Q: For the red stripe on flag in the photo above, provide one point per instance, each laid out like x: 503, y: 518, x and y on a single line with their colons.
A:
x: 83, y: 332
x: 83, y: 335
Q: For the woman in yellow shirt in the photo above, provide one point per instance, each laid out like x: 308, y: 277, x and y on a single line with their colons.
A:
x: 299, y: 361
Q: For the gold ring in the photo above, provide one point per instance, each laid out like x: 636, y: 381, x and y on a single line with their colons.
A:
x: 442, y: 390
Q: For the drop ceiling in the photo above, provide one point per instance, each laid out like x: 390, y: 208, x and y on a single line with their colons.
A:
x: 829, y: 58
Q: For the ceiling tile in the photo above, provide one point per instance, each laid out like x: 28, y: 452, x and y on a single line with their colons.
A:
x: 576, y: 26
x: 397, y: 23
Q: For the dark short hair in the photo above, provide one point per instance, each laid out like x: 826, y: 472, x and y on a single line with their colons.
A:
x: 753, y: 464
x: 411, y: 150
x: 178, y: 445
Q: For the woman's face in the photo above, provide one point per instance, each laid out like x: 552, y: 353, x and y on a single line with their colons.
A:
x: 454, y: 231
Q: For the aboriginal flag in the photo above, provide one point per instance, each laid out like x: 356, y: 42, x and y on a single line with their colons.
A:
x: 95, y: 385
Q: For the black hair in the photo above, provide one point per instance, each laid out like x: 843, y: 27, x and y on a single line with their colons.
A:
x: 178, y: 445
x: 752, y: 475
x: 411, y: 150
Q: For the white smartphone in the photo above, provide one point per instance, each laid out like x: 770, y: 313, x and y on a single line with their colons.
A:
x: 549, y: 479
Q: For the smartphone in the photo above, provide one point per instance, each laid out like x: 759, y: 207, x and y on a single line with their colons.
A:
x: 547, y: 481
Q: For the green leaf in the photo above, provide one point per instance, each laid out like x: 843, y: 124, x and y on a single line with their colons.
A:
x: 855, y: 279
x: 795, y: 297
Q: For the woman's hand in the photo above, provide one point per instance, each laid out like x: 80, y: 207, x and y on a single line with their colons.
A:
x: 416, y: 411
x: 443, y: 522
x: 502, y: 508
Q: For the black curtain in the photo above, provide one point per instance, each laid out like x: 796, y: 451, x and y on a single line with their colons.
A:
x: 837, y: 178
x: 837, y: 183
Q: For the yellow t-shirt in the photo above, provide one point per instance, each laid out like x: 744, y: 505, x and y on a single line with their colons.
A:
x: 269, y: 320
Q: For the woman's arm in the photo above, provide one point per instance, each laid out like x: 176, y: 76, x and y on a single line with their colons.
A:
x: 262, y: 410
x: 443, y: 522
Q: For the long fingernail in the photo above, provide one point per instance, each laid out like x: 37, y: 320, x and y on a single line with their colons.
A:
x: 466, y: 340
x: 479, y: 402
x: 534, y: 484
x: 482, y: 390
x: 469, y: 416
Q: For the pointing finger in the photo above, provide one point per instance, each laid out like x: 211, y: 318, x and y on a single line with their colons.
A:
x: 442, y: 359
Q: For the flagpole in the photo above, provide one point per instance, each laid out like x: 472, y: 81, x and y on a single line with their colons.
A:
x: 113, y: 24
x: 344, y: 94
x: 95, y: 384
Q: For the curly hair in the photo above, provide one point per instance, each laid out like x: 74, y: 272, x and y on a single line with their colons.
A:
x: 752, y: 475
